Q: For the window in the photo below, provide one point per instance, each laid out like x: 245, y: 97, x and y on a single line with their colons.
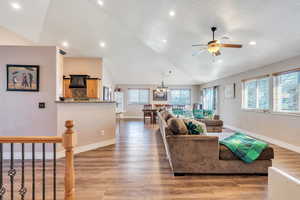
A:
x: 210, y: 98
x: 180, y: 96
x: 287, y: 92
x: 256, y: 94
x: 138, y: 96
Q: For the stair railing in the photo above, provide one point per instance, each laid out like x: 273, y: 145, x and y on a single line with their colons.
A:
x: 68, y: 140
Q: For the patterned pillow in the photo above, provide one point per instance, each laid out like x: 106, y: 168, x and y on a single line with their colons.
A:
x: 177, y: 126
x: 195, y: 128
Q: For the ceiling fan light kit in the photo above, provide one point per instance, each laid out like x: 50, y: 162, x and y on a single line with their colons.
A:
x: 212, y: 47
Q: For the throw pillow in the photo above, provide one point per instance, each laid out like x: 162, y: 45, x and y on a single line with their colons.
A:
x: 177, y: 126
x: 195, y: 128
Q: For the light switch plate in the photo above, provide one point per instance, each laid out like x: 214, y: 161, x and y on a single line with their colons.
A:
x: 42, y: 105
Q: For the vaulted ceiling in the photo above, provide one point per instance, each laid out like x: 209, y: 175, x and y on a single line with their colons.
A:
x: 143, y: 41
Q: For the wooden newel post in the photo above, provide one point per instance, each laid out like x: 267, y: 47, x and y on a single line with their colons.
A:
x: 69, y: 142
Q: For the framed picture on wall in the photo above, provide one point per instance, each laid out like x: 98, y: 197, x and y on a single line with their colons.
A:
x: 230, y: 91
x: 22, y: 78
x: 160, y: 96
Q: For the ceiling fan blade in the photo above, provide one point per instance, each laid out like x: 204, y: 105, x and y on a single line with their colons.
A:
x: 199, y: 45
x: 224, y: 37
x: 230, y: 45
x: 198, y: 52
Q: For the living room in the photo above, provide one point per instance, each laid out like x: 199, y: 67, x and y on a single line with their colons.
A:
x: 107, y: 99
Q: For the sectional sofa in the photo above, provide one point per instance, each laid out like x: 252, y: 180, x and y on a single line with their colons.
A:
x: 202, y: 154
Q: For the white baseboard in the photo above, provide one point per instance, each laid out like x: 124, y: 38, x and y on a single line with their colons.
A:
x: 28, y: 155
x: 94, y: 146
x: 267, y: 139
x: 60, y: 154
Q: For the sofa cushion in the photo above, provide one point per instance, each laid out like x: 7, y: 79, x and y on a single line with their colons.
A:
x: 226, y: 154
x: 210, y: 122
x: 194, y: 127
x: 177, y: 126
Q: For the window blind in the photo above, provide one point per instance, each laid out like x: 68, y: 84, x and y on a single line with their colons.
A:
x: 256, y: 93
x: 287, y: 91
x: 138, y: 96
x: 180, y: 96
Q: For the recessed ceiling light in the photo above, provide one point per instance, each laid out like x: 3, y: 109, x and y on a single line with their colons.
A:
x: 100, y: 2
x: 102, y: 44
x: 252, y: 43
x: 220, y: 61
x: 65, y: 44
x: 16, y: 6
x: 164, y: 41
x: 172, y: 13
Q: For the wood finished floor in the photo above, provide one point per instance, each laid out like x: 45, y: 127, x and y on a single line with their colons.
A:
x: 136, y: 168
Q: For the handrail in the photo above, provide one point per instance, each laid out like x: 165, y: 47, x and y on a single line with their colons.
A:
x: 68, y: 140
x: 30, y: 139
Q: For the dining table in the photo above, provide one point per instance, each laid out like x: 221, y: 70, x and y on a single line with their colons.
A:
x: 153, y: 112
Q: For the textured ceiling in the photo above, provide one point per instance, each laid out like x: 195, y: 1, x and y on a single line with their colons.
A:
x: 134, y: 30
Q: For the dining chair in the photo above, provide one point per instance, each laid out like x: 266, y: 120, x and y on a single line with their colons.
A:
x: 147, y: 112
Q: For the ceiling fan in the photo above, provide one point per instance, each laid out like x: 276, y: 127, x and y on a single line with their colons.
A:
x: 214, y: 46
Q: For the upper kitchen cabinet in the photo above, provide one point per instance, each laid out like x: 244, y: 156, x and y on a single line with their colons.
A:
x: 82, y: 78
x: 93, y: 86
x: 66, y: 88
x: 79, y: 89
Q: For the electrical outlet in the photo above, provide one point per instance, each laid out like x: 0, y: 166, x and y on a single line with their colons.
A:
x: 102, y: 132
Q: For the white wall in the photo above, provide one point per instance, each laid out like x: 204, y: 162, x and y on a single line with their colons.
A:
x: 59, y: 74
x: 136, y: 110
x: 93, y: 122
x: 107, y: 79
x: 84, y: 66
x: 19, y: 112
x: 282, y: 186
x: 279, y: 127
x: 8, y: 37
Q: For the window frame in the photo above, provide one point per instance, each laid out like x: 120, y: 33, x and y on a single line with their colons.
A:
x: 270, y: 95
x: 139, y: 102
x: 190, y: 96
x: 275, y: 76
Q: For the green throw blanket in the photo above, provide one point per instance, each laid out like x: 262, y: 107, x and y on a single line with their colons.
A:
x: 244, y: 147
